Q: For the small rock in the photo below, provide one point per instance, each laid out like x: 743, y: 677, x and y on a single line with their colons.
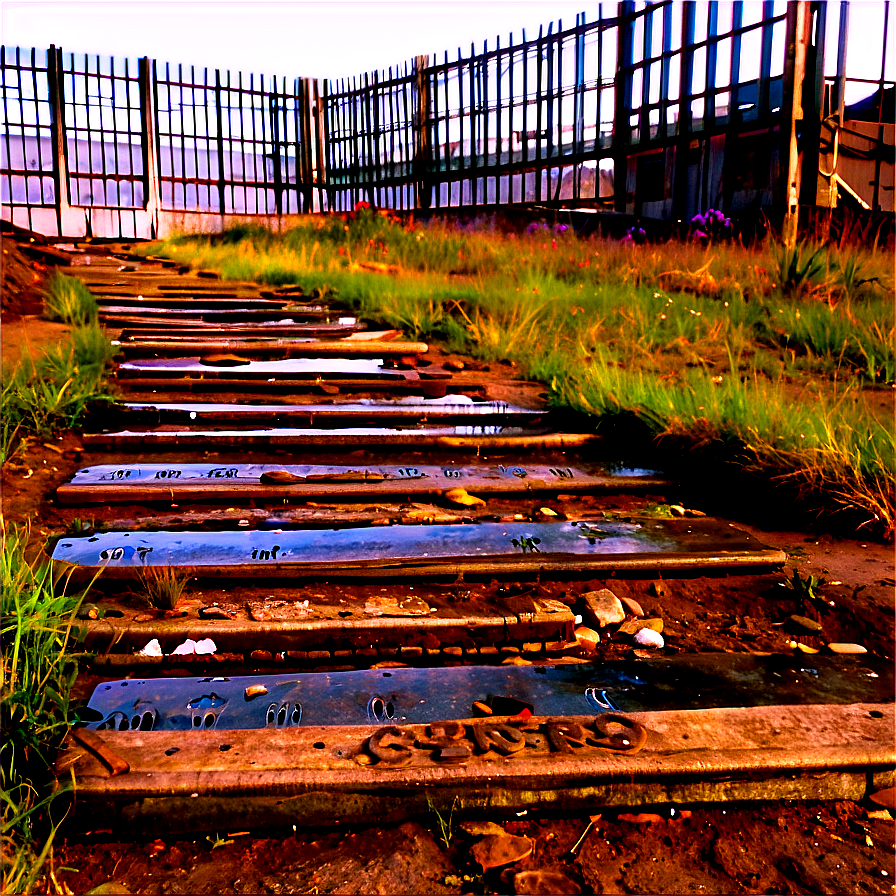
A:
x: 632, y: 606
x: 482, y: 828
x: 89, y: 611
x: 803, y: 648
x: 214, y: 613
x: 602, y: 608
x: 153, y: 648
x: 655, y: 625
x: 462, y: 497
x: 885, y: 798
x: 804, y: 622
x: 657, y: 589
x: 587, y: 638
x: 452, y: 364
x: 145, y: 617
x: 544, y: 883
x: 649, y: 638
x: 846, y: 648
x: 109, y: 888
x: 255, y: 690
x: 496, y: 850
x: 515, y: 661
x: 640, y: 818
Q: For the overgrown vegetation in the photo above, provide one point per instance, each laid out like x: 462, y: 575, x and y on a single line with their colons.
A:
x: 162, y: 586
x: 760, y: 356
x: 70, y: 301
x: 51, y: 392
x: 38, y: 626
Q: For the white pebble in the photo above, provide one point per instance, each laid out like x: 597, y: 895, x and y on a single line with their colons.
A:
x: 647, y: 637
x: 153, y: 648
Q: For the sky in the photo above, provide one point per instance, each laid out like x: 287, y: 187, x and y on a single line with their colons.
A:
x: 333, y: 38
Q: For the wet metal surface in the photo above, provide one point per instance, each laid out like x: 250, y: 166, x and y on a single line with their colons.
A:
x: 308, y: 436
x: 451, y: 407
x: 131, y: 482
x: 417, y: 696
x: 292, y: 367
x: 409, y: 549
x: 445, y: 476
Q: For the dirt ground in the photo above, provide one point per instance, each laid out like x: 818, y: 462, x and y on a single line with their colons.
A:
x: 773, y: 847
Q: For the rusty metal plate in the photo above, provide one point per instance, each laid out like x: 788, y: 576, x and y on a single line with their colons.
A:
x: 415, y: 550
x: 357, y: 436
x: 455, y: 408
x: 277, y: 347
x: 420, y: 696
x: 107, y: 483
x: 196, y: 314
x: 159, y: 781
x: 270, y: 328
x: 290, y: 369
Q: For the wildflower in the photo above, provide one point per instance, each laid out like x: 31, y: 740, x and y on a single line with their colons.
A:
x: 360, y: 205
x: 560, y: 228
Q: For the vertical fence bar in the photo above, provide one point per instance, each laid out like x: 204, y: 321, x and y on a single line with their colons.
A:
x: 152, y: 190
x: 798, y: 24
x: 422, y: 143
x: 879, y: 148
x: 623, y: 103
x: 61, y: 179
x: 682, y: 151
x: 730, y: 165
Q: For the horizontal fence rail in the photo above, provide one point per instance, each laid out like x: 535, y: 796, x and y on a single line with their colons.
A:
x: 661, y: 110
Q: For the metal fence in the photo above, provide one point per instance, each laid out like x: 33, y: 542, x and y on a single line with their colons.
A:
x: 660, y: 110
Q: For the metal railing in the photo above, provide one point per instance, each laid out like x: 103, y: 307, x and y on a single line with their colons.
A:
x: 661, y: 110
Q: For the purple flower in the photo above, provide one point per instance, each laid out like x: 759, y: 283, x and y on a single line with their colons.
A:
x: 560, y: 228
x: 628, y: 238
x: 699, y: 221
x: 700, y: 235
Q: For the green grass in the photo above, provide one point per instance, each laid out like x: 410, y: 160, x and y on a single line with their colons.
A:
x: 51, y: 392
x: 36, y: 677
x: 761, y: 353
x: 70, y: 301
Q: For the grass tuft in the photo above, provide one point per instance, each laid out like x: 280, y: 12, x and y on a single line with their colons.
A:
x: 70, y: 301
x: 36, y: 677
x: 162, y: 586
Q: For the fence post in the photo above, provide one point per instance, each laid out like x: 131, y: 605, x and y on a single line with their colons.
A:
x: 686, y: 87
x: 151, y: 175
x: 61, y: 187
x: 304, y: 160
x: 422, y: 142
x: 219, y: 125
x: 623, y: 104
x: 318, y: 111
x: 797, y: 36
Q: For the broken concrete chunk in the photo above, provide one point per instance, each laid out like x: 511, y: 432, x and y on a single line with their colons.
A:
x: 602, y: 608
x: 255, y: 690
x: 495, y: 850
x: 547, y: 605
x: 153, y: 648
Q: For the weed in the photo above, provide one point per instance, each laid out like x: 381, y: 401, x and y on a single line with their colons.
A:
x: 800, y: 268
x: 162, y: 586
x: 808, y: 588
x: 38, y: 626
x: 70, y: 301
x: 445, y: 821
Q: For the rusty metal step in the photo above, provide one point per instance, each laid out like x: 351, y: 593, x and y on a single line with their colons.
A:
x: 107, y: 483
x: 275, y: 348
x: 452, y: 408
x: 401, y: 551
x: 163, y: 781
x: 467, y: 437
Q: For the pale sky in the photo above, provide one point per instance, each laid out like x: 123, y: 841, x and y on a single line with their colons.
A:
x: 336, y: 38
